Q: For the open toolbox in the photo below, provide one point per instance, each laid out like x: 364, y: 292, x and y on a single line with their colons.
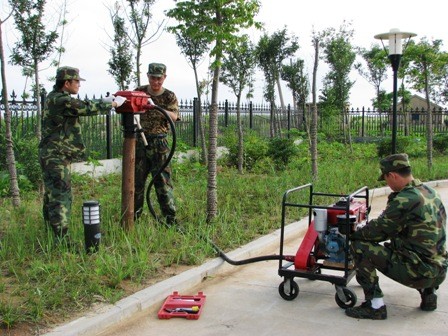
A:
x: 186, y: 306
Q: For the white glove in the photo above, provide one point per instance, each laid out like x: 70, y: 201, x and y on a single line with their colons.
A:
x: 119, y: 100
x: 108, y: 99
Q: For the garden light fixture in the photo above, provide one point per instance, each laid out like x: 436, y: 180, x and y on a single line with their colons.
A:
x: 395, y: 37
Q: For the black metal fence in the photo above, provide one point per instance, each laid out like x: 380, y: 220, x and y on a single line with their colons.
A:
x: 103, y: 134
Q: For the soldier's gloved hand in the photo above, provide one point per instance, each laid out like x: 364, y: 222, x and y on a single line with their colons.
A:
x: 108, y: 99
x: 119, y: 100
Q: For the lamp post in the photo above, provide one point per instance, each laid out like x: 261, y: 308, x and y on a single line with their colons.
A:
x: 395, y: 37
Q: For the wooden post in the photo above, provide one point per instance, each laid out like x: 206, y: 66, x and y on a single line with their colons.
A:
x: 128, y: 172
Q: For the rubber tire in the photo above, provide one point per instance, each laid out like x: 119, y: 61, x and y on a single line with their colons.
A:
x: 294, y: 290
x: 352, y: 298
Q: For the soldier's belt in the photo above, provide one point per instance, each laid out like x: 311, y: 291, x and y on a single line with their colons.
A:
x: 155, y: 136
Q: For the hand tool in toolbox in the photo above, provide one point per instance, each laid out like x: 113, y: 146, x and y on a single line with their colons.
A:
x: 187, y: 306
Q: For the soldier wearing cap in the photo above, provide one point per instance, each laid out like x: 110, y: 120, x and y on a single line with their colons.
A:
x: 149, y: 160
x: 413, y: 229
x: 61, y: 144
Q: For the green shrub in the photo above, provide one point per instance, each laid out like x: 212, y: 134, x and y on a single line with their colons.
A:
x: 440, y: 143
x: 23, y: 181
x: 412, y: 146
x: 26, y: 156
x: 255, y: 147
x: 281, y: 150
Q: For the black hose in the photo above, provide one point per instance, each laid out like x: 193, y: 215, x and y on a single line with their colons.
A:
x: 244, y: 261
x: 165, y: 164
x: 217, y: 249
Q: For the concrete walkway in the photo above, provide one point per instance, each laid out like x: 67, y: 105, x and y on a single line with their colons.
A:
x: 244, y: 300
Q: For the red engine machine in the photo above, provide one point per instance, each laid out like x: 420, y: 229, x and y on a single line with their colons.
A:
x: 324, y: 251
x: 136, y: 102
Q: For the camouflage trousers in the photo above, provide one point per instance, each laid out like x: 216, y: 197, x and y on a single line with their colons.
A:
x: 149, y: 160
x: 57, y: 202
x: 370, y: 257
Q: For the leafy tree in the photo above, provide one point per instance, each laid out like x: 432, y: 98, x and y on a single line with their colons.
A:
x: 237, y: 70
x: 223, y: 20
x: 427, y: 70
x: 138, y: 15
x: 194, y: 49
x: 35, y: 44
x: 340, y: 56
x: 317, y: 40
x: 272, y: 51
x: 376, y: 72
x: 297, y: 81
x: 120, y: 64
x: 10, y: 156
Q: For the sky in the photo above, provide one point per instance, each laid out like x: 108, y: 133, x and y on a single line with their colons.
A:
x: 87, y: 41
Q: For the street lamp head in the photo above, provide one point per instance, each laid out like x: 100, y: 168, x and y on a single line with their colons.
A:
x: 395, y: 37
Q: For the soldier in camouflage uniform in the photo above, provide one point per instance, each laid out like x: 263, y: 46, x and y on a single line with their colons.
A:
x: 415, y: 223
x: 150, y: 159
x: 61, y: 144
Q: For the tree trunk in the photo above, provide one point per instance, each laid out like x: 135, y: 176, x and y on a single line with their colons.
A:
x: 10, y: 157
x: 240, y: 134
x: 137, y: 64
x: 280, y: 96
x: 429, y: 130
x: 313, y: 127
x: 37, y: 93
x: 272, y: 119
x: 204, y: 159
x: 212, y: 188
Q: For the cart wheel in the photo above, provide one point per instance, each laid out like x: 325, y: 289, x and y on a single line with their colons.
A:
x: 349, y: 300
x: 288, y: 289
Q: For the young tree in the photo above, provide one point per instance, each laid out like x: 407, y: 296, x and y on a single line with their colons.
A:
x: 427, y: 68
x: 194, y: 50
x: 10, y: 156
x: 139, y: 19
x: 316, y: 40
x: 269, y: 86
x: 35, y: 44
x: 298, y: 82
x: 376, y: 69
x: 223, y: 20
x: 120, y: 64
x: 272, y: 51
x: 237, y: 69
x: 339, y: 54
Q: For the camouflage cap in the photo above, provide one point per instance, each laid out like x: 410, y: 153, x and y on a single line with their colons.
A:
x: 392, y: 163
x: 68, y: 73
x: 156, y: 69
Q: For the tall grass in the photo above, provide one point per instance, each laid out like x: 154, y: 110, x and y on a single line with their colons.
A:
x: 42, y: 283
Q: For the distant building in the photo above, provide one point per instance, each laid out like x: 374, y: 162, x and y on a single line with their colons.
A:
x: 417, y: 108
x: 418, y: 102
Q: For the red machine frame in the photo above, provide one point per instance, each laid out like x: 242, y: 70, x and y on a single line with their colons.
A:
x: 309, y: 261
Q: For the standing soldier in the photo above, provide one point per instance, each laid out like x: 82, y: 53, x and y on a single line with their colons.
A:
x: 149, y: 160
x: 61, y: 144
x: 415, y: 223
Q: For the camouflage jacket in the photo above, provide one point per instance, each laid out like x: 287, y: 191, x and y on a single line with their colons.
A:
x: 152, y: 121
x: 61, y: 130
x: 415, y: 222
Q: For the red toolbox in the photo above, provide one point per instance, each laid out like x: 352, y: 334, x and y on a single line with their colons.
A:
x: 186, y: 306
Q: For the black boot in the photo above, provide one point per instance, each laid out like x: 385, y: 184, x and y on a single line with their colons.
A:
x: 429, y: 299
x: 171, y: 221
